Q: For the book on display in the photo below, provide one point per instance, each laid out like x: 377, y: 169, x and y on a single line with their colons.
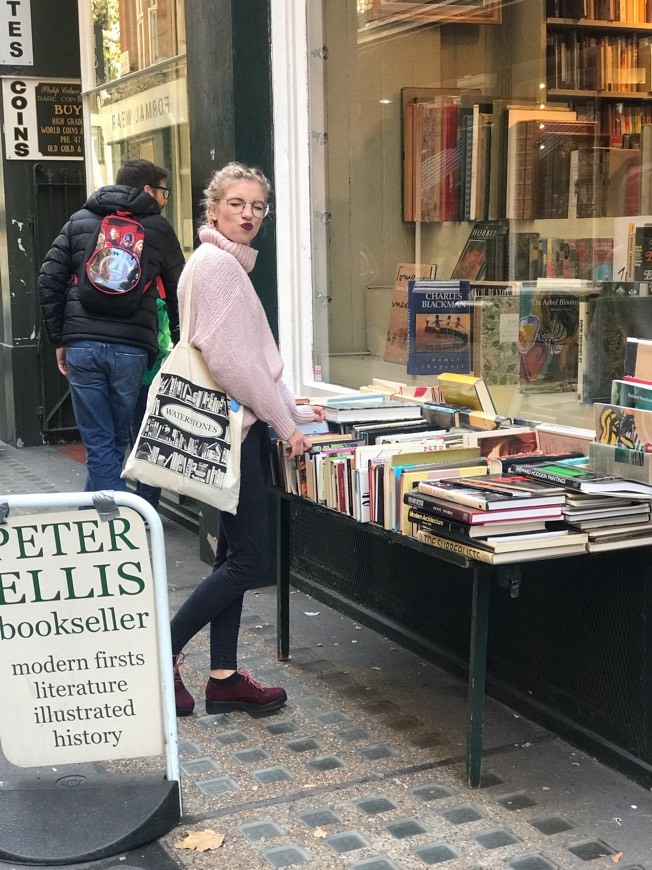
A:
x: 584, y: 480
x: 462, y: 513
x: 486, y: 500
x: 484, y: 554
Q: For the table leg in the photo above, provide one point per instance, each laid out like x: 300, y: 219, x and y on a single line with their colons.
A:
x: 477, y: 674
x: 283, y: 580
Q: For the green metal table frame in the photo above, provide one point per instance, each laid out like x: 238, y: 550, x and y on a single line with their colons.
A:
x: 481, y: 576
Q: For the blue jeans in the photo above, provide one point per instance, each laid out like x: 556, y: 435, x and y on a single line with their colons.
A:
x: 151, y: 494
x: 104, y: 382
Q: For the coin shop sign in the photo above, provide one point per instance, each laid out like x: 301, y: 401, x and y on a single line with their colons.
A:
x: 42, y: 119
x: 79, y: 660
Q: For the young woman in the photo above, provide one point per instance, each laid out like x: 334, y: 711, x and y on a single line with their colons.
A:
x: 228, y: 325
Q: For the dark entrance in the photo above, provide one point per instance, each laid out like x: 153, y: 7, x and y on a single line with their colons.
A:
x: 57, y: 194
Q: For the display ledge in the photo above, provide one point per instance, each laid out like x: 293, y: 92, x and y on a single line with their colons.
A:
x: 621, y: 96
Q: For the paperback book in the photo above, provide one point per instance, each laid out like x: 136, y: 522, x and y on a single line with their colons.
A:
x: 439, y: 327
x: 620, y: 462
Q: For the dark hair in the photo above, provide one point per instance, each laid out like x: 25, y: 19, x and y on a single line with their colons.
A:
x: 139, y: 172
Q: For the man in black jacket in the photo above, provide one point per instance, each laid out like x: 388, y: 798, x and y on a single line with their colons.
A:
x: 104, y: 356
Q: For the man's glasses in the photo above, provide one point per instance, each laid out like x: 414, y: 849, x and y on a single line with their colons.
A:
x: 166, y: 190
x: 236, y: 206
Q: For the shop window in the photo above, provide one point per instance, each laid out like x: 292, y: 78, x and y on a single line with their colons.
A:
x: 500, y: 143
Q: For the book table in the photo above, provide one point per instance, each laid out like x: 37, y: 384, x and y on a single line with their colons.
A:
x: 480, y: 575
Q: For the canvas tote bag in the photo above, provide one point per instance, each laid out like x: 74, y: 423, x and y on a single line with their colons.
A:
x: 189, y: 440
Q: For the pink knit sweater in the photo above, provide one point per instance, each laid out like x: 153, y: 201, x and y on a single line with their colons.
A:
x: 229, y: 326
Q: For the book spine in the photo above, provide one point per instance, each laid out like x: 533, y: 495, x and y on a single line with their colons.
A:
x: 449, y: 510
x: 549, y: 476
x: 476, y: 502
x: 465, y: 550
x: 449, y: 528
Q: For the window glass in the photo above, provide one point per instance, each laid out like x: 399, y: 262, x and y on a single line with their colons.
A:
x: 506, y: 143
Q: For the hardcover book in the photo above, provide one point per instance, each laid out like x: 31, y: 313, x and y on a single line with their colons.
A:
x: 621, y: 309
x: 466, y: 391
x: 548, y: 338
x: 583, y: 479
x: 396, y: 345
x: 623, y: 427
x: 631, y: 395
x: 484, y: 554
x: 486, y: 500
x: 445, y: 508
x: 638, y: 359
x: 496, y: 309
x: 439, y: 327
x: 479, y: 254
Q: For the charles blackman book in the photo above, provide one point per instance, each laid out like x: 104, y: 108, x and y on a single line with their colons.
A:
x: 439, y: 327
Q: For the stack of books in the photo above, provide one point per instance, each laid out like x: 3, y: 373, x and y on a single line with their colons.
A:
x: 614, y: 511
x: 495, y: 518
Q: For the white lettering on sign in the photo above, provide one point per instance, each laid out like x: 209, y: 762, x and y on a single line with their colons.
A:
x: 79, y: 661
x: 16, y: 33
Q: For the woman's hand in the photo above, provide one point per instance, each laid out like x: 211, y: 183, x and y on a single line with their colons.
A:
x: 318, y: 413
x: 297, y: 444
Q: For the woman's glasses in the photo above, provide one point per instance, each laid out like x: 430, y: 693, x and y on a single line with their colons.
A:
x: 236, y: 206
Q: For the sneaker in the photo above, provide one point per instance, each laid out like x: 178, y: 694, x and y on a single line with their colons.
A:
x: 246, y: 694
x: 185, y: 702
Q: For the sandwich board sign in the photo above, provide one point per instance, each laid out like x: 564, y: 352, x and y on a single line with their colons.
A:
x: 84, y: 634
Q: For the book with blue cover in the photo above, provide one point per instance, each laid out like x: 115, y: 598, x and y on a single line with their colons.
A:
x: 439, y: 327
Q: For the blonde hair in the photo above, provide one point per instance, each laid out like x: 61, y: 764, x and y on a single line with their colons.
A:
x: 224, y: 177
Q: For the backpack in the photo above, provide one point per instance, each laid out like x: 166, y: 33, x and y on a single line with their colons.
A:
x: 111, y: 277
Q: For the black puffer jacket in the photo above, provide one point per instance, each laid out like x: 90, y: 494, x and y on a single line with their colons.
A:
x: 64, y: 317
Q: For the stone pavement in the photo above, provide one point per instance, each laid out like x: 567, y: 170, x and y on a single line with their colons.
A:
x: 364, y: 767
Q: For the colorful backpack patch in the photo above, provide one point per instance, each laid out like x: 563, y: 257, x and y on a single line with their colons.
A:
x: 111, y: 280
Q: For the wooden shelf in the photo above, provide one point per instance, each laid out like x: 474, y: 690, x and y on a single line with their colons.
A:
x: 592, y: 24
x: 624, y: 96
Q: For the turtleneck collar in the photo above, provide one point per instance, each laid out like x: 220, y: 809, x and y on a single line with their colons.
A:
x: 244, y: 254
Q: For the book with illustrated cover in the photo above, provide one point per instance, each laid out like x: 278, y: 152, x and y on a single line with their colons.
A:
x: 503, y: 442
x: 396, y: 344
x: 466, y: 391
x: 549, y: 337
x: 513, y: 484
x: 479, y: 254
x: 439, y: 327
x: 486, y: 500
x: 623, y: 427
x: 496, y: 310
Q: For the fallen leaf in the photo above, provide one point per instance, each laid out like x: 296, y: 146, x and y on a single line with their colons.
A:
x: 616, y: 858
x: 200, y: 841
x: 319, y: 832
x: 375, y: 668
x: 312, y: 613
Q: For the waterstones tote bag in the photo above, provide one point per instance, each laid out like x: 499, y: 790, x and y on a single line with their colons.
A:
x: 189, y: 440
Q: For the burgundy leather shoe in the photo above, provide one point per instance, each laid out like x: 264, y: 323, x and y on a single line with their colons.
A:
x: 184, y: 701
x: 246, y: 694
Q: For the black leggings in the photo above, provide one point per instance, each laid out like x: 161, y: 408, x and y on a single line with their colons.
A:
x: 241, y: 562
